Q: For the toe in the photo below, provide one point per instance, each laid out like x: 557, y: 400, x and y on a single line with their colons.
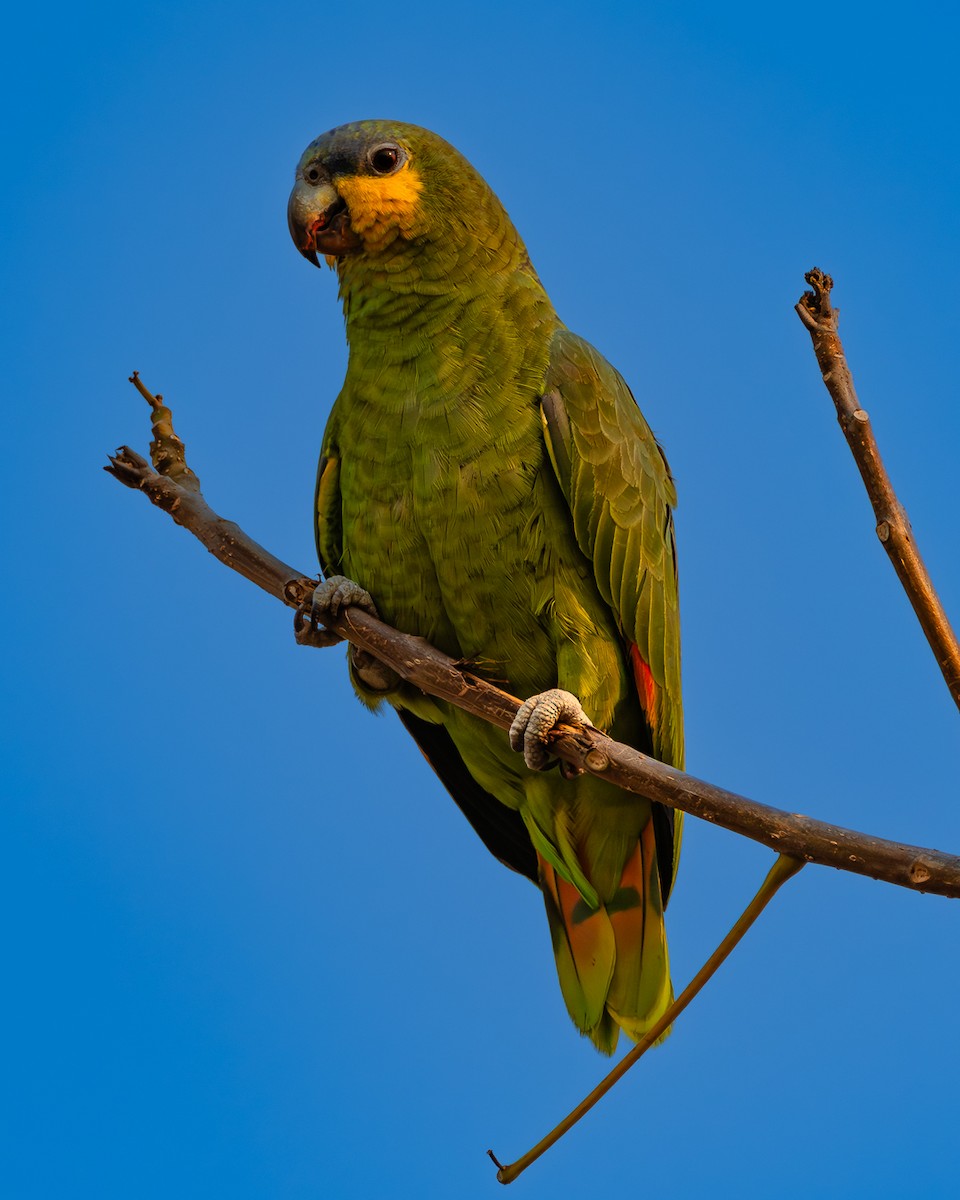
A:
x: 519, y: 727
x: 537, y: 718
x: 337, y: 593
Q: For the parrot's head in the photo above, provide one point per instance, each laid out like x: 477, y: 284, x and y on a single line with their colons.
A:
x: 386, y: 192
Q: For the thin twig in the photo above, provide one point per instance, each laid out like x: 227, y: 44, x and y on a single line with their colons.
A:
x: 782, y: 870
x: 433, y: 672
x: 893, y: 527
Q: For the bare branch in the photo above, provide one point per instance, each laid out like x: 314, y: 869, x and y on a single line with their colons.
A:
x: 433, y: 672
x: 782, y: 870
x: 893, y: 527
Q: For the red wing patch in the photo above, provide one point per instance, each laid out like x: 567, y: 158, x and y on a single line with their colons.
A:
x: 646, y: 687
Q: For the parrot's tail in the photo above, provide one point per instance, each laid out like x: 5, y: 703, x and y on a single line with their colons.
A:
x: 612, y: 960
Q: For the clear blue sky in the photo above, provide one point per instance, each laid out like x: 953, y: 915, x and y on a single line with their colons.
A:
x: 252, y: 950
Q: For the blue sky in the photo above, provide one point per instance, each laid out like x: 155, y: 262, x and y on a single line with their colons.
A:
x: 253, y: 950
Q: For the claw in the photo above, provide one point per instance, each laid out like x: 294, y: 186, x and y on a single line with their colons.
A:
x: 371, y: 672
x: 536, y: 720
x: 308, y: 633
x: 339, y: 592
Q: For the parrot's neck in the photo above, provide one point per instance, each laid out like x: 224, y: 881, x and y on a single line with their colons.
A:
x: 384, y: 313
x: 413, y: 317
x: 425, y: 285
x: 477, y: 340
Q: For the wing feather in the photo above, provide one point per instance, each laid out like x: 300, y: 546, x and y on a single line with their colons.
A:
x: 620, y: 493
x: 329, y: 513
x: 618, y: 487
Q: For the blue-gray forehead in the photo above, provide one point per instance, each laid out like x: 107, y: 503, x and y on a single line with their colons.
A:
x: 342, y: 148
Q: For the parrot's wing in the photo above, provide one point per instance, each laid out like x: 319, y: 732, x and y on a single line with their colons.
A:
x: 328, y: 511
x: 501, y: 829
x: 620, y: 493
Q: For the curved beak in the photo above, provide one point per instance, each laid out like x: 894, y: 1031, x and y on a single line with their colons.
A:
x: 319, y: 221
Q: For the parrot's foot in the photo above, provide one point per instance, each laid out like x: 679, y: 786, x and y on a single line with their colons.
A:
x: 328, y: 598
x: 371, y: 672
x: 339, y: 592
x: 537, y: 718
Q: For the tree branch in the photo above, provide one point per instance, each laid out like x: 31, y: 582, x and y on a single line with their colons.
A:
x: 173, y: 487
x: 893, y: 526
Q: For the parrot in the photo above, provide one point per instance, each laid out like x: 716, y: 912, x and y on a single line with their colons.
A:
x: 487, y: 482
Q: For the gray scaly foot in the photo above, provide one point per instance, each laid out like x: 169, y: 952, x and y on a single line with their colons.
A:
x: 339, y: 592
x: 537, y: 718
x: 329, y: 598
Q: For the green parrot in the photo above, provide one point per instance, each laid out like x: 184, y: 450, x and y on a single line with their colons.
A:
x: 488, y: 482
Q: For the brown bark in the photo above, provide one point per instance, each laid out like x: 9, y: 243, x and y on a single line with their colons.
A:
x: 173, y: 487
x: 893, y: 526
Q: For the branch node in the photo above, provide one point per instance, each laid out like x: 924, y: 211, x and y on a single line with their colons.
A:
x: 129, y: 467
x: 919, y: 871
x: 167, y: 452
x: 298, y: 591
x: 596, y: 760
x: 814, y: 307
x: 503, y: 1173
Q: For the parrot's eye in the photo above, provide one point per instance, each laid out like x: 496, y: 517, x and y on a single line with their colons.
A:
x: 313, y: 174
x: 385, y: 159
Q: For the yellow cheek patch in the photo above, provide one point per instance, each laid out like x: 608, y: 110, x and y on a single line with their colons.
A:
x: 381, y: 207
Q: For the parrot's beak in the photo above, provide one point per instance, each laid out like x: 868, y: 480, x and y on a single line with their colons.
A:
x: 319, y: 221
